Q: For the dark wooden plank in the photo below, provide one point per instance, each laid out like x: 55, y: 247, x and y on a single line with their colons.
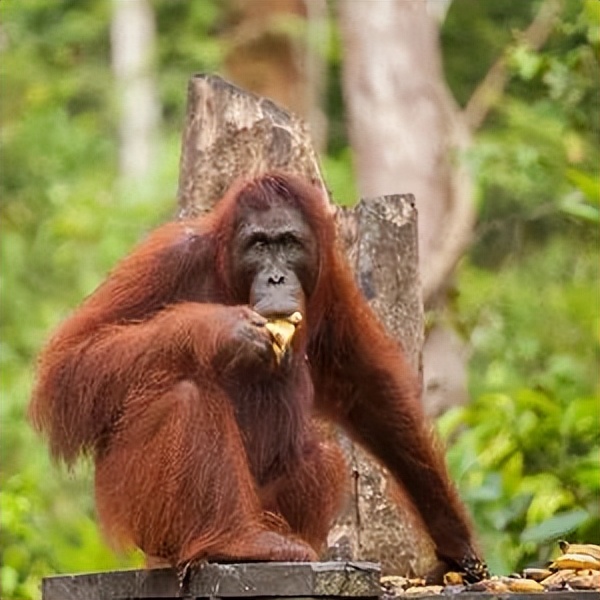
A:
x: 211, y: 580
x: 561, y: 595
x: 155, y: 583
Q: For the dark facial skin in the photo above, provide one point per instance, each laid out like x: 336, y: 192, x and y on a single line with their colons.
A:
x: 274, y: 260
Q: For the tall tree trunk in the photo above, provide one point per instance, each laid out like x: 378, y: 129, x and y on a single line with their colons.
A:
x: 405, y: 129
x: 132, y: 49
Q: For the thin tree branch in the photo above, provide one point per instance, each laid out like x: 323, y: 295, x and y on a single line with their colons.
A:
x: 490, y: 89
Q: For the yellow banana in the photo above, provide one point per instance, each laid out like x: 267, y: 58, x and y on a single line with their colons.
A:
x: 453, y: 578
x: 426, y: 590
x: 575, y: 561
x: 525, y: 586
x: 488, y: 585
x: 588, y: 549
x: 282, y: 331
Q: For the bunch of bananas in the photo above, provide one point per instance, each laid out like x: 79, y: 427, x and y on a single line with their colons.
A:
x: 577, y: 556
x: 577, y: 568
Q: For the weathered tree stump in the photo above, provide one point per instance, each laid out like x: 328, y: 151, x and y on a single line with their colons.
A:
x: 230, y: 132
x: 380, y: 239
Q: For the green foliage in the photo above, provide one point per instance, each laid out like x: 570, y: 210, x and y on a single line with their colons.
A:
x: 537, y: 159
x: 188, y: 44
x: 64, y: 224
x: 533, y: 323
x: 525, y: 452
x: 61, y: 508
x: 486, y: 26
x: 527, y: 464
x: 338, y: 171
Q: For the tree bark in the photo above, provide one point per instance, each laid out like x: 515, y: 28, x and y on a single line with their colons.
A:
x: 274, y: 51
x: 380, y: 238
x: 230, y: 132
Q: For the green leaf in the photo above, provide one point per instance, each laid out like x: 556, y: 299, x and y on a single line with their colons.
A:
x: 588, y: 184
x: 9, y: 578
x: 555, y: 527
x: 577, y: 207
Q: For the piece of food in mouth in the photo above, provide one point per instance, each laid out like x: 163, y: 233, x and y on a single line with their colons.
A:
x: 282, y: 331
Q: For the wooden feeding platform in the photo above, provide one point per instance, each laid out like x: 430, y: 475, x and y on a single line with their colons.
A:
x: 214, y: 581
x: 272, y: 581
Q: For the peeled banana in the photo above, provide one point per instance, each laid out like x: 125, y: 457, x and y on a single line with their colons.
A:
x: 574, y: 561
x: 525, y: 586
x: 282, y: 331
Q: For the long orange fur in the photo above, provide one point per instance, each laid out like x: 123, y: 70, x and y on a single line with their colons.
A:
x: 131, y: 380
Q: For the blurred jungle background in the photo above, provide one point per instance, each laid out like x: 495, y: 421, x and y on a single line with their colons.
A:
x: 487, y: 110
